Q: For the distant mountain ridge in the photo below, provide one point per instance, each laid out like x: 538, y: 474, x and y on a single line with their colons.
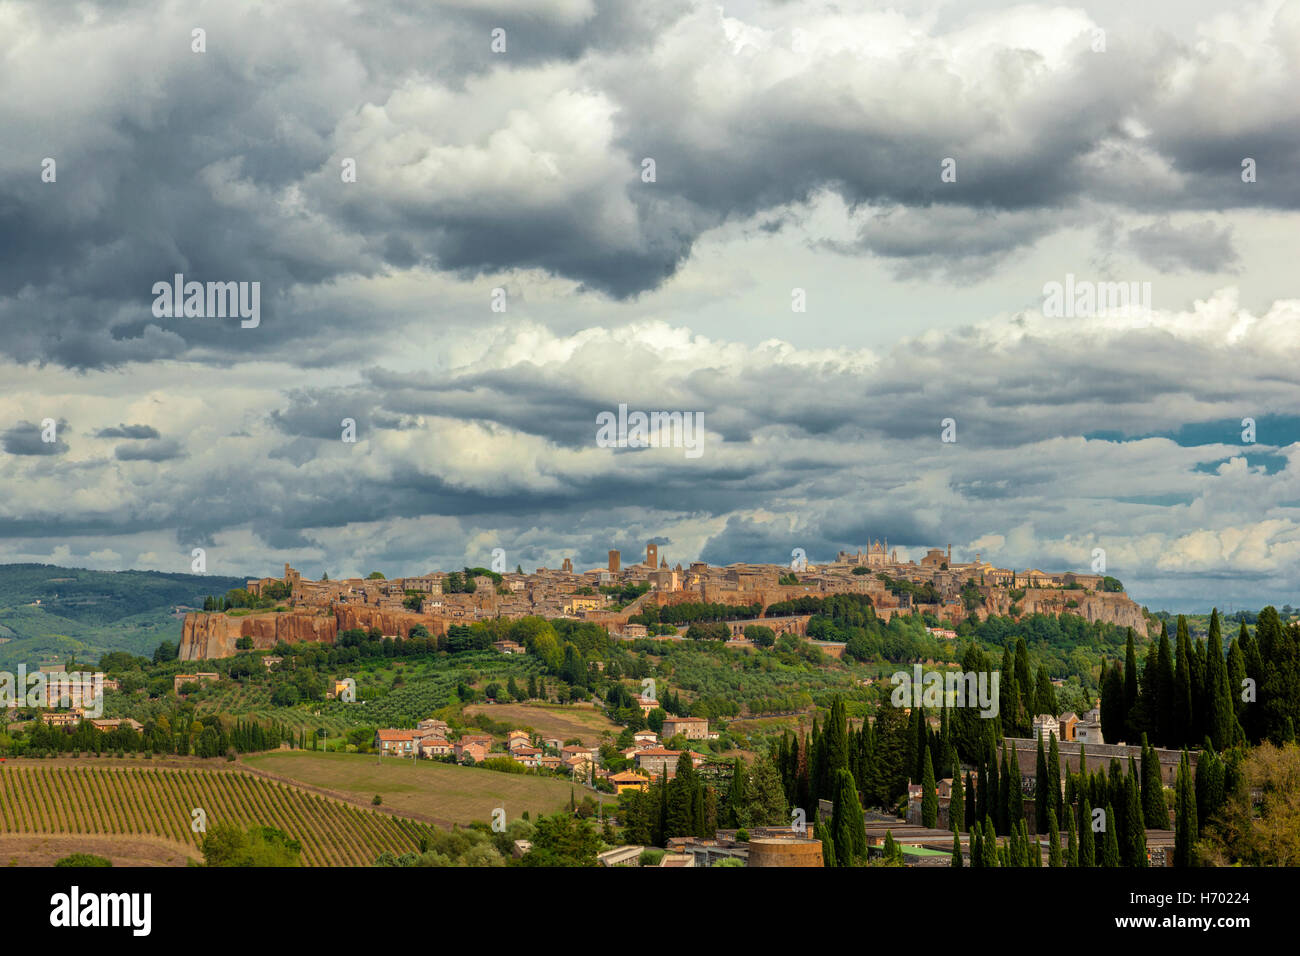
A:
x: 48, y: 610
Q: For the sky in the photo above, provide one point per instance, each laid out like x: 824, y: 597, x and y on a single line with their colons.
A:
x: 828, y: 232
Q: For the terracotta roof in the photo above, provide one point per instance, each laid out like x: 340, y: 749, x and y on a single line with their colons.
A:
x: 627, y: 776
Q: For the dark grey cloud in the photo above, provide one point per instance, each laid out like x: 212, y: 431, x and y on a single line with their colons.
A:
x: 128, y: 431
x: 165, y: 449
x: 25, y: 438
x: 225, y: 166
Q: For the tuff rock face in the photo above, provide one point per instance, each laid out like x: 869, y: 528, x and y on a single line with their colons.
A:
x: 1113, y: 608
x: 207, y: 636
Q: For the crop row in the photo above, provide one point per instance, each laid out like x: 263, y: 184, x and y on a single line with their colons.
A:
x: 162, y: 802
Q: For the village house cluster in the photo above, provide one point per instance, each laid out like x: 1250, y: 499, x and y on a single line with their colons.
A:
x: 432, y: 739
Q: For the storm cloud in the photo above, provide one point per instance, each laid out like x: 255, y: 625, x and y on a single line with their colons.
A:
x: 470, y: 251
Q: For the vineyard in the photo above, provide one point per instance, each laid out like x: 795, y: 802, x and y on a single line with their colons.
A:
x: 130, y: 801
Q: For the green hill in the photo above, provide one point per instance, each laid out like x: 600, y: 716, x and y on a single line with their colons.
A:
x: 88, y: 613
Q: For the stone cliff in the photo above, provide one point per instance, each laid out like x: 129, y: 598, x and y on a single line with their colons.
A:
x: 207, y: 636
x: 1111, y: 607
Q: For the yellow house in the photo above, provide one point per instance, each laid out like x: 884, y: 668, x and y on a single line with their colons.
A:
x: 627, y: 780
x: 580, y: 602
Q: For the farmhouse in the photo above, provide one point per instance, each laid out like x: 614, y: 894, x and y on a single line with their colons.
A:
x: 117, y: 722
x: 656, y: 760
x: 528, y: 756
x: 431, y: 747
x: 692, y: 728
x: 395, y: 742
x: 627, y: 780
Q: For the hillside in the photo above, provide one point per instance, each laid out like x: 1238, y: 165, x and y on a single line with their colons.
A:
x: 88, y: 613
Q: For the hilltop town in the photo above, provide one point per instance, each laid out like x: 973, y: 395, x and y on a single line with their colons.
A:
x: 293, y: 609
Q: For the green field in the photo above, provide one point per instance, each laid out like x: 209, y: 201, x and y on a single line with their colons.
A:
x: 436, y: 791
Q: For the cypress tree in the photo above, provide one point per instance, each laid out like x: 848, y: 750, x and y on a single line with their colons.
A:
x: 1040, y: 790
x: 1252, y: 721
x: 989, y: 845
x: 1200, y: 689
x: 929, y: 798
x: 956, y: 850
x: 892, y: 852
x: 922, y: 746
x: 1113, y: 716
x: 817, y: 772
x: 684, y: 814
x: 1087, y: 848
x: 847, y: 823
x: 735, y: 811
x: 1044, y: 694
x: 803, y: 775
x: 828, y: 845
x: 1220, y: 712
x: 1072, y: 840
x: 836, y: 738
x: 1154, y: 813
x: 977, y: 846
x: 1144, y: 717
x: 1053, y: 839
x: 1236, y: 682
x: 957, y: 803
x: 1210, y: 793
x: 970, y: 802
x: 1135, y: 850
x: 1166, y: 730
x: 988, y: 788
x: 1008, y: 694
x: 1054, y: 775
x: 1025, y: 689
x: 1185, y: 829
x: 999, y: 797
x: 1184, y: 719
x: 1012, y: 806
x: 1131, y: 717
x: 912, y: 754
x: 1110, y: 847
x: 945, y: 756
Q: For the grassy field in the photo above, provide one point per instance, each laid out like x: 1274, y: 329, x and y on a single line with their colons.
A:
x: 435, y: 791
x: 46, y: 850
x: 585, y: 723
x: 137, y: 805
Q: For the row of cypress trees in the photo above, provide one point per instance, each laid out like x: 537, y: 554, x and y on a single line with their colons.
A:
x: 1189, y: 691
